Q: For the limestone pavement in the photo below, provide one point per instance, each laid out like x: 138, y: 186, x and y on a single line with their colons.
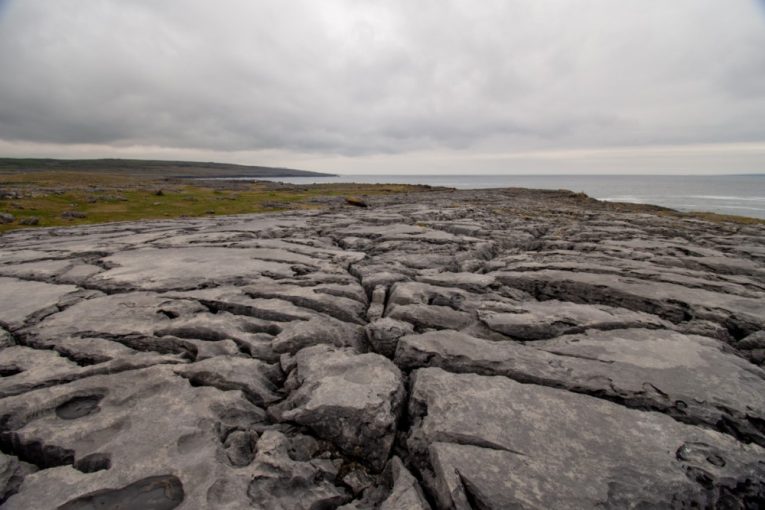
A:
x: 458, y: 350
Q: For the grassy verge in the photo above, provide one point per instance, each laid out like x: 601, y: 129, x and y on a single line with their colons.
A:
x: 71, y: 198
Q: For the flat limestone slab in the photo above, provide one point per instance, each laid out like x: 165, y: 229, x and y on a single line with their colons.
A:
x: 535, y: 320
x: 184, y: 268
x: 689, y: 377
x: 670, y: 301
x: 21, y: 299
x: 502, y: 444
x: 109, y: 432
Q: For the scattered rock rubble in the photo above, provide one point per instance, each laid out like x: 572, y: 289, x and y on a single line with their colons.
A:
x: 465, y: 350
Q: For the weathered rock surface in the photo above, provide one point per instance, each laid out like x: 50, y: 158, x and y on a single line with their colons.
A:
x: 353, y: 399
x: 691, y: 378
x: 537, y: 320
x: 473, y: 350
x: 565, y: 450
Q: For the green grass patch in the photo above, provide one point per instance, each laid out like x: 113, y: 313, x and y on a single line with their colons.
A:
x: 50, y: 196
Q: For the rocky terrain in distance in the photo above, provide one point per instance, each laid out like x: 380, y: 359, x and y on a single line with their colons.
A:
x: 489, y: 349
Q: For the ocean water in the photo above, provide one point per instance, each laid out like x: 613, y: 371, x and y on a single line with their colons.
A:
x: 742, y: 195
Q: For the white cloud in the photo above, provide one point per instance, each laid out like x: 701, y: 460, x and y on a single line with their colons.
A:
x: 353, y: 83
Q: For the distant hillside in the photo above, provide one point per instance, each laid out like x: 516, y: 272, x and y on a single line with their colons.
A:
x: 150, y: 168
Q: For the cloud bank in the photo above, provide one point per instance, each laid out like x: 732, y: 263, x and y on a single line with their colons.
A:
x: 353, y: 82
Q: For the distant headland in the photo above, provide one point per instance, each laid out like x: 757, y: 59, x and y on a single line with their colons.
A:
x: 155, y: 168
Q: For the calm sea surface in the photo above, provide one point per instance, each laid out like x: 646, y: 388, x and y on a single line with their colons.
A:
x: 742, y: 195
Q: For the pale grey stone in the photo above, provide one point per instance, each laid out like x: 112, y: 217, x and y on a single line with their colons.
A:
x: 564, y: 450
x: 350, y: 399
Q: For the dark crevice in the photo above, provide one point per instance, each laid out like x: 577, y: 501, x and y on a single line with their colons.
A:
x: 153, y: 493
x: 170, y: 314
x: 471, y: 494
x: 8, y: 371
x: 78, y: 407
x: 417, y: 464
x: 579, y: 356
x: 34, y: 451
x: 93, y: 463
x: 248, y: 311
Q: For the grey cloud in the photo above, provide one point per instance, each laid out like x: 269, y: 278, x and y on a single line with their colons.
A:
x: 362, y: 77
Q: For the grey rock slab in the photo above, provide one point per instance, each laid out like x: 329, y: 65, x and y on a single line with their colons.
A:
x: 491, y: 442
x: 27, y: 369
x: 214, y: 326
x: 430, y: 306
x: 297, y: 335
x: 667, y: 269
x: 373, y: 276
x: 209, y: 331
x: 468, y: 281
x: 263, y: 225
x: 87, y: 351
x: 184, y: 268
x: 350, y: 399
x: 691, y: 378
x: 24, y: 368
x: 414, y: 256
x: 133, y: 313
x: 204, y: 238
x: 719, y: 264
x: 78, y: 274
x: 340, y: 285
x: 21, y: 300
x: 342, y: 308
x: 205, y: 349
x: 670, y: 301
x: 17, y: 256
x: 142, y: 424
x: 315, y: 250
x: 236, y: 301
x: 431, y: 316
x: 536, y: 320
x: 381, y: 231
x: 258, y: 381
x: 464, y: 228
x: 407, y: 293
x: 41, y: 269
x: 148, y: 322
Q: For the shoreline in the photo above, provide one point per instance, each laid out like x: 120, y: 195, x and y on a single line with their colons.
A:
x: 279, y: 197
x: 736, y: 195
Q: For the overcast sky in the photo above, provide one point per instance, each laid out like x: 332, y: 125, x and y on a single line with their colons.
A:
x: 432, y: 86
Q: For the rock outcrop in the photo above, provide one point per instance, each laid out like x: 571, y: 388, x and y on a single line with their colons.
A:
x: 474, y: 350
